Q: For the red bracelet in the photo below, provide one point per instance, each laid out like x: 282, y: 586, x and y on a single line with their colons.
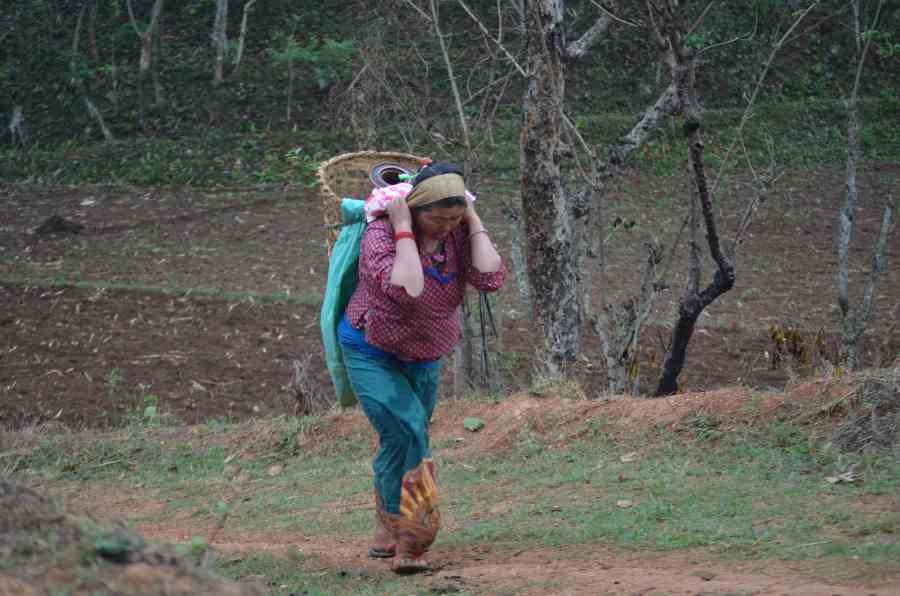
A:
x: 401, y: 235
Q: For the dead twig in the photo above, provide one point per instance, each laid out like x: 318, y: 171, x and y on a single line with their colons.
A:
x: 308, y: 393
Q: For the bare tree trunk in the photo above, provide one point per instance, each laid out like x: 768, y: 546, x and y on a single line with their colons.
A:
x: 845, y: 228
x: 290, y: 97
x: 463, y: 354
x: 220, y: 39
x: 240, y: 49
x: 855, y: 323
x: 92, y: 31
x: 78, y: 83
x: 463, y: 360
x: 146, y: 64
x: 648, y: 291
x: 96, y: 115
x: 551, y: 215
x: 517, y: 255
x: 669, y: 34
x: 693, y: 301
x: 615, y: 332
x: 158, y: 95
x: 855, y: 320
x: 621, y: 336
x: 552, y: 255
x: 114, y: 95
x: 17, y: 128
x: 617, y: 326
x: 519, y: 10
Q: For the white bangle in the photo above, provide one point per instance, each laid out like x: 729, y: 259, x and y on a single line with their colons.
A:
x: 473, y: 234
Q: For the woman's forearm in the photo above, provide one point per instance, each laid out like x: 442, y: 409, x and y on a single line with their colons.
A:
x: 485, y: 257
x: 407, y: 270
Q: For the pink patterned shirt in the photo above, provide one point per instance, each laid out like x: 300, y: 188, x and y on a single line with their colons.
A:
x: 422, y: 328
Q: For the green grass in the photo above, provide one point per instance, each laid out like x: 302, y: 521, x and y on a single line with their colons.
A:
x: 752, y: 493
x: 748, y: 497
x: 804, y: 134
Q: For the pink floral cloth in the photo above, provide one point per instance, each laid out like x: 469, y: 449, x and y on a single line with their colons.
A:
x: 380, y: 197
x: 421, y: 328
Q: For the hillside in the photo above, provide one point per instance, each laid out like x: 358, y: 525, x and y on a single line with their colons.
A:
x: 731, y: 491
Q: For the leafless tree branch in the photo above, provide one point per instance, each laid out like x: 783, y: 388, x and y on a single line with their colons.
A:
x: 700, y: 18
x: 748, y: 111
x: 487, y: 34
x: 613, y: 16
x: 845, y: 226
x: 582, y: 45
x: 421, y: 12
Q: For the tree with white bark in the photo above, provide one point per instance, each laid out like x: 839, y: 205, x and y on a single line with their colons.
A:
x: 146, y: 35
x: 78, y: 75
x: 856, y: 318
x: 565, y: 230
x: 245, y: 19
x: 220, y: 40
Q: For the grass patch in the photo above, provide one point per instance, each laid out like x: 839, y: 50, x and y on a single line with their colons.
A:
x: 758, y: 494
x: 804, y: 133
x: 751, y: 493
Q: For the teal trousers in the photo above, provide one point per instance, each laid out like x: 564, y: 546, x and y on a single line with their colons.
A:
x: 398, y: 399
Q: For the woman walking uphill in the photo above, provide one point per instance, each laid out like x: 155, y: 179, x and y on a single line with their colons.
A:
x: 424, y: 242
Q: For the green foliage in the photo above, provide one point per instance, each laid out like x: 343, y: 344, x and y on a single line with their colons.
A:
x: 81, y: 69
x: 695, y: 40
x: 473, y: 424
x: 768, y: 8
x: 884, y: 43
x: 305, y: 166
x: 151, y: 410
x: 195, y: 548
x: 109, y: 541
x: 112, y: 381
x: 234, y: 135
x: 325, y: 58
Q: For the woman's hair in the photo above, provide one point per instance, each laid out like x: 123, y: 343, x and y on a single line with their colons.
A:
x: 439, y: 168
x: 436, y: 169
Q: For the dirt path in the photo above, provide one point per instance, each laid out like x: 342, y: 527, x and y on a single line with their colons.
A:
x: 508, y: 568
x: 596, y: 570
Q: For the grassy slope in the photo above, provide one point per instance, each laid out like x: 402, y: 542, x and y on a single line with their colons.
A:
x: 744, y: 484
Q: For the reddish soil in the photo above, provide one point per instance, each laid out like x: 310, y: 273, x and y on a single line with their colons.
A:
x: 515, y: 568
x: 170, y: 293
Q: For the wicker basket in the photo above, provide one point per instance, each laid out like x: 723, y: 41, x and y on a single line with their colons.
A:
x: 349, y: 175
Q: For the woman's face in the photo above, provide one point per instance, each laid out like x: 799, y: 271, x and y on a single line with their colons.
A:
x: 438, y: 222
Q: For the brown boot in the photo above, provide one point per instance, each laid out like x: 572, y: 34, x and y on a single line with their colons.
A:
x: 384, y: 544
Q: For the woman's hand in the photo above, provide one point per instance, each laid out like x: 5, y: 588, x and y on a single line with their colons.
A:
x: 470, y: 217
x: 484, y: 255
x: 407, y: 270
x: 399, y: 214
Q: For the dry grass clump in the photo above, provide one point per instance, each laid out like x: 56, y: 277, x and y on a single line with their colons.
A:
x: 311, y: 398
x: 871, y: 413
x: 46, y: 550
